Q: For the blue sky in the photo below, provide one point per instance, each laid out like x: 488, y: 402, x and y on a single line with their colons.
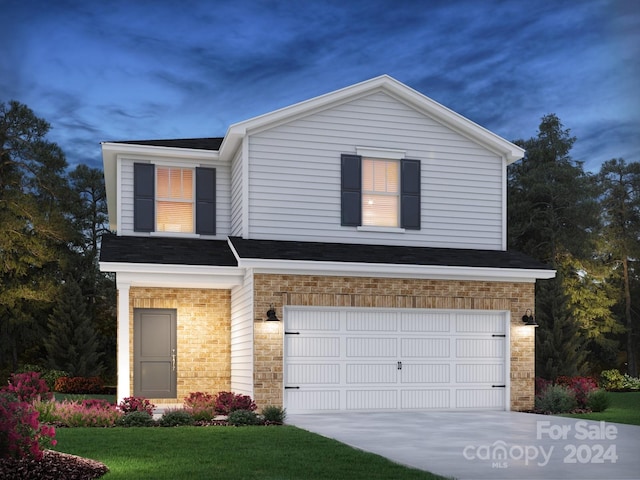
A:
x: 135, y: 69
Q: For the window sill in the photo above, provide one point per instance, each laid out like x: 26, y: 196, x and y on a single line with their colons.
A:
x: 365, y: 228
x: 174, y: 234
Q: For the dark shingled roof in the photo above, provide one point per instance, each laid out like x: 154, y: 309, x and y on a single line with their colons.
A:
x: 212, y: 143
x: 399, y: 255
x: 194, y: 251
x: 174, y: 251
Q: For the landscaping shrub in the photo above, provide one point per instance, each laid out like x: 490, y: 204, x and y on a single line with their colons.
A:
x: 227, y: 402
x: 201, y: 405
x: 87, y: 413
x: 598, y: 400
x: 630, y: 383
x: 79, y: 385
x: 48, y: 375
x: 556, y: 399
x: 136, y: 419
x: 136, y: 404
x: 21, y: 435
x: 541, y: 385
x: 580, y: 386
x: 175, y: 418
x: 613, y: 380
x: 28, y: 387
x: 274, y: 415
x: 239, y: 418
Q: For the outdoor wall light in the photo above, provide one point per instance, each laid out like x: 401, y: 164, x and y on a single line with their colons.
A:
x: 271, y: 315
x: 528, y: 318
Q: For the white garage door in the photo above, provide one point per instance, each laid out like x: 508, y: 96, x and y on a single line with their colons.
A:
x: 371, y: 359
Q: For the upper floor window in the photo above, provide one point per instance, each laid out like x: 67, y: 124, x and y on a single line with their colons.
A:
x: 380, y: 192
x: 174, y: 199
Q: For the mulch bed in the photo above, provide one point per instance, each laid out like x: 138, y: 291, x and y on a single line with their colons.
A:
x: 53, y: 466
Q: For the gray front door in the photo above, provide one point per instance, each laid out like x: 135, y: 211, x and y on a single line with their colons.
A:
x: 154, y: 353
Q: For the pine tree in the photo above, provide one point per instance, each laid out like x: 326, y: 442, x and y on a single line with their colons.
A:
x: 73, y: 342
x: 552, y: 209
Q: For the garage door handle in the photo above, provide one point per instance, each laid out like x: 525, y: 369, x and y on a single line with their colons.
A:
x: 496, y: 335
x: 290, y: 388
x: 498, y: 386
x: 399, y: 365
x: 292, y: 333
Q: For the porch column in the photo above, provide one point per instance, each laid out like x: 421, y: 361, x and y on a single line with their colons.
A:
x: 124, y: 384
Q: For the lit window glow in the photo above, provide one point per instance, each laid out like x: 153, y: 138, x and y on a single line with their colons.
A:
x: 380, y: 192
x: 174, y: 200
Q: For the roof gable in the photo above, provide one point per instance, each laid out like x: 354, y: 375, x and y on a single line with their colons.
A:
x: 388, y: 85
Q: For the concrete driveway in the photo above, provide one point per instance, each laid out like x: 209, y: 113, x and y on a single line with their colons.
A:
x: 489, y: 445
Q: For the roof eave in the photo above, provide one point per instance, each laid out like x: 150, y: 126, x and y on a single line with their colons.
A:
x: 436, y: 272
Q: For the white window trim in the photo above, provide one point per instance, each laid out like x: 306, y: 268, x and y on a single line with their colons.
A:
x: 371, y: 228
x: 381, y: 153
x: 162, y: 199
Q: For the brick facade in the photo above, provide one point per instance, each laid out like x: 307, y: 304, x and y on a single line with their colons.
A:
x: 203, y: 336
x: 309, y: 290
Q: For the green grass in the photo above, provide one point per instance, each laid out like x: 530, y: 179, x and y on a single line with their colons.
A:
x: 624, y: 408
x: 264, y: 453
x: 75, y: 396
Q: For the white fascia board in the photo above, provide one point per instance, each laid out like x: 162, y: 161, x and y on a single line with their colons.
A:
x: 396, y: 271
x: 159, y: 151
x: 174, y: 276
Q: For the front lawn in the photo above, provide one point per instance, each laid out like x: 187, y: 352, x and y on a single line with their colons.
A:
x: 624, y: 408
x: 283, y: 452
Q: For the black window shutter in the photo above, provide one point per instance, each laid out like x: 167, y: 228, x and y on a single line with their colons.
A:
x: 410, y: 194
x: 144, y: 218
x: 206, y: 201
x: 351, y: 190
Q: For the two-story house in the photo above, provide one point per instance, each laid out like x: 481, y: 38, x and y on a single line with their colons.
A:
x: 344, y: 253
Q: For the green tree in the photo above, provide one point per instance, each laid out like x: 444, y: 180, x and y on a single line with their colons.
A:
x: 89, y: 215
x: 35, y: 230
x: 552, y: 211
x: 72, y: 342
x: 620, y: 184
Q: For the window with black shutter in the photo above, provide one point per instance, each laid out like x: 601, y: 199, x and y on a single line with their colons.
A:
x: 380, y: 192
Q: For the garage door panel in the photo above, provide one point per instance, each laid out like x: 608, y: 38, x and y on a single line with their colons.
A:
x: 373, y: 399
x: 368, y: 373
x: 480, y: 398
x: 480, y: 347
x: 479, y: 323
x: 425, y: 373
x: 480, y: 373
x: 304, y: 347
x: 425, y: 322
x: 310, y: 373
x: 425, y: 399
x: 372, y: 347
x: 371, y: 322
x: 425, y: 347
x: 313, y: 400
x: 321, y: 321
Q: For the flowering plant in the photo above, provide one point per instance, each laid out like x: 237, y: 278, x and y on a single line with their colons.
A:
x: 580, y: 386
x: 21, y: 435
x: 28, y: 387
x: 227, y: 402
x: 136, y: 404
x: 201, y: 405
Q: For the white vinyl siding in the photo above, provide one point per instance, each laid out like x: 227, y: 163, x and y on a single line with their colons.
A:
x: 242, y: 336
x: 236, y: 195
x: 294, y: 177
x: 223, y: 193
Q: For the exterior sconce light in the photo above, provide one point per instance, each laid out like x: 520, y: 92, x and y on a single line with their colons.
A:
x: 271, y: 315
x: 528, y: 318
